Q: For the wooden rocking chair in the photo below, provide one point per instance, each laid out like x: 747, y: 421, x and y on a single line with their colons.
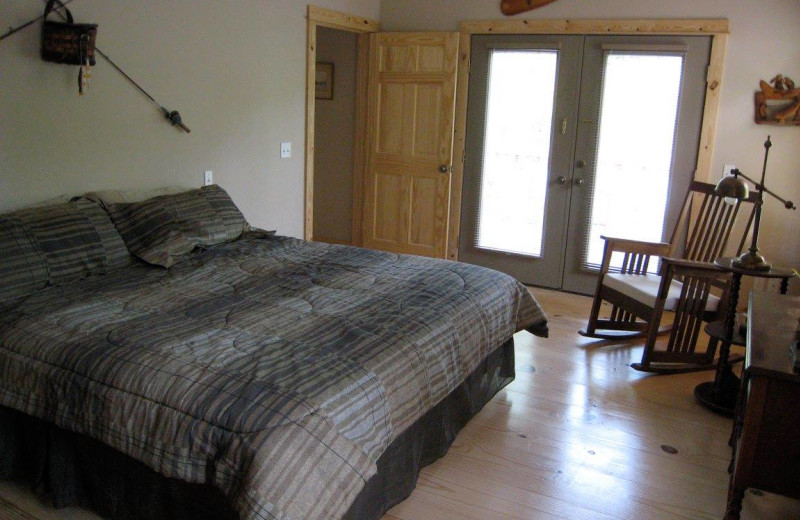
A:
x: 686, y: 283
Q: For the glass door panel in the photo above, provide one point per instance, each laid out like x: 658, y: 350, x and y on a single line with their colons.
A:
x: 521, y: 127
x: 631, y: 183
x: 640, y: 116
x: 516, y: 151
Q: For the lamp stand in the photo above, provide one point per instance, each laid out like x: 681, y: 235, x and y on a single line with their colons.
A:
x: 753, y: 259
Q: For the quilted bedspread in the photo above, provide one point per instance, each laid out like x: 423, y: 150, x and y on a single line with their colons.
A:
x: 275, y: 369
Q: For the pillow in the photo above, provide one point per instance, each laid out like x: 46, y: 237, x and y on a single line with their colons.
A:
x: 106, y: 197
x: 151, y: 231
x: 231, y: 217
x: 22, y: 265
x: 163, y: 229
x: 116, y: 253
x: 56, y: 244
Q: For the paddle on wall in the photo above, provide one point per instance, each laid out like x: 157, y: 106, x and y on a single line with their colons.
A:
x: 512, y: 7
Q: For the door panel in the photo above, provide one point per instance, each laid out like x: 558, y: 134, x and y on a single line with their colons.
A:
x: 636, y: 147
x: 411, y: 110
x: 499, y: 155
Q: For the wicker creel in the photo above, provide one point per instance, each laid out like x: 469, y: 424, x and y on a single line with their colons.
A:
x: 67, y: 42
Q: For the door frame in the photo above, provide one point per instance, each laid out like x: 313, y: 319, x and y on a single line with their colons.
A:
x: 716, y: 28
x: 320, y: 17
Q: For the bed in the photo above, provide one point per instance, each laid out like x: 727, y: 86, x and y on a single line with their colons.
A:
x: 246, y: 375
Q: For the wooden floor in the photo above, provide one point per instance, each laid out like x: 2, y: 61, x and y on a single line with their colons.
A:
x: 578, y: 435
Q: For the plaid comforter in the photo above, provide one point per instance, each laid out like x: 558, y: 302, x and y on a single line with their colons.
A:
x: 275, y: 369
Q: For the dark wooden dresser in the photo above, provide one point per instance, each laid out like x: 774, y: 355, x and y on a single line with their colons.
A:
x: 766, y: 432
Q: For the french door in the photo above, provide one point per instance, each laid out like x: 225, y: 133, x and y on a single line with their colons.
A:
x: 572, y: 137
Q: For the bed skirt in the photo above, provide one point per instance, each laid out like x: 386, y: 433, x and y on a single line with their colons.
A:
x: 68, y: 469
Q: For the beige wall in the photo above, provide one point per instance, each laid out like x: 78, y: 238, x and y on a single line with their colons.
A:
x: 235, y: 70
x: 333, y: 138
x: 763, y: 42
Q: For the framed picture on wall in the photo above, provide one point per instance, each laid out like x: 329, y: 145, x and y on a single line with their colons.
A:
x: 324, y: 81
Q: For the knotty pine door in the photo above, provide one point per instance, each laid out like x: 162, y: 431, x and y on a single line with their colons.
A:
x: 410, y: 114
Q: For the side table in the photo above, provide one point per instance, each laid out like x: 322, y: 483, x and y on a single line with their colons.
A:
x: 720, y: 395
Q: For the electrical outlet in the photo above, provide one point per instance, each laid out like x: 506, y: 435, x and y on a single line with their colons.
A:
x: 286, y: 150
x: 727, y: 170
x: 208, y: 178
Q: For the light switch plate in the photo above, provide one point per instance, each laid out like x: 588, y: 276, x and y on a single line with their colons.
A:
x: 286, y: 150
x: 208, y: 178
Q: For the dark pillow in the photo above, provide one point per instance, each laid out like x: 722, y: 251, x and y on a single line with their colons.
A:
x: 151, y: 231
x: 231, y: 217
x: 56, y: 244
x: 22, y: 264
x: 163, y: 229
x: 116, y: 253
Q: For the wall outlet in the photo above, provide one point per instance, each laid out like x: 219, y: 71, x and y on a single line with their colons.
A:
x: 727, y: 169
x: 208, y: 178
x: 286, y: 150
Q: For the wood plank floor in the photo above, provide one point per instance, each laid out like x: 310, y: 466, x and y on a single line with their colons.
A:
x: 578, y: 435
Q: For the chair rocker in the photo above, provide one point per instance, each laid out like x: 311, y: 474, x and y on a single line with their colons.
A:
x: 688, y: 284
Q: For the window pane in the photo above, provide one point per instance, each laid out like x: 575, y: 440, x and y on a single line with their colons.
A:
x: 638, y: 118
x: 519, y: 116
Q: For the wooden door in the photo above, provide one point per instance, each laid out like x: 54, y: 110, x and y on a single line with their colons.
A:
x: 412, y: 84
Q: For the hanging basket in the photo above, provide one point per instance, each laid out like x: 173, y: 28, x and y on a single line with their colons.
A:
x: 67, y: 42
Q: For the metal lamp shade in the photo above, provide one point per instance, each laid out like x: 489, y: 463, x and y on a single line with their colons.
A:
x: 733, y: 187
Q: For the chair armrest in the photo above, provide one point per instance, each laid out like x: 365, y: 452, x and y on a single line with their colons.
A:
x: 636, y: 246
x: 637, y: 254
x: 691, y: 264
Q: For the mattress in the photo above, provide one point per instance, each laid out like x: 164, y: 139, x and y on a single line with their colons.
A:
x: 274, y: 369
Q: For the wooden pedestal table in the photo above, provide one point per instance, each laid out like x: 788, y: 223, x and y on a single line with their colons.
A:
x: 720, y: 395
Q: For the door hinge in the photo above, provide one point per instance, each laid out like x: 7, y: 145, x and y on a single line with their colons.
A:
x: 708, y: 73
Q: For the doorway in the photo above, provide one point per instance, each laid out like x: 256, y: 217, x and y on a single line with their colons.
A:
x: 334, y: 132
x: 320, y: 19
x: 575, y: 136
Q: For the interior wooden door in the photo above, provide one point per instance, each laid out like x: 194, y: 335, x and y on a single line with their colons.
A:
x: 412, y: 84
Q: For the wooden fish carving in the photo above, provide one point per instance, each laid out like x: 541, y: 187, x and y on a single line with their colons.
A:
x: 512, y: 7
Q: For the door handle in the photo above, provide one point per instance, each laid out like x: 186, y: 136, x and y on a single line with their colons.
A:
x: 579, y: 182
x: 561, y: 179
x: 444, y: 168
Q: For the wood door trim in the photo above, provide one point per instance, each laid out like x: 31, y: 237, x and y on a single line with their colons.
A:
x: 320, y: 17
x: 343, y: 21
x: 718, y: 29
x: 359, y: 142
x: 598, y: 26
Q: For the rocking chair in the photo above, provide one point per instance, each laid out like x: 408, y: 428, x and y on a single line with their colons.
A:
x: 686, y: 284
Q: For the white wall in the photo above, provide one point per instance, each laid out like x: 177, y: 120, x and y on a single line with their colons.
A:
x: 763, y: 42
x: 234, y: 69
x: 333, y: 138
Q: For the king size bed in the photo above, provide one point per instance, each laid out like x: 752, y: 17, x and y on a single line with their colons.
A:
x: 257, y: 377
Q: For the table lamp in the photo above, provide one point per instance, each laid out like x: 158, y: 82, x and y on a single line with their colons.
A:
x: 733, y: 186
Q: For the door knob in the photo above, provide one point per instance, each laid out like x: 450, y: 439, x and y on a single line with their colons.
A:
x: 561, y: 179
x: 443, y: 168
x: 579, y: 182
